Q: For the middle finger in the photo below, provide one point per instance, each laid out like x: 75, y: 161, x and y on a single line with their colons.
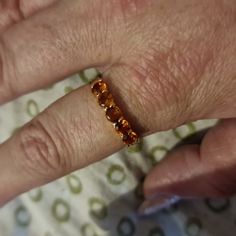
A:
x: 51, y: 45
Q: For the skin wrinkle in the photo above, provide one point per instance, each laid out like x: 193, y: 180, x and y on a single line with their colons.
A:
x: 120, y: 49
x: 59, y: 137
x: 150, y: 89
x: 200, y: 22
x: 105, y: 38
x: 112, y: 24
x: 62, y: 136
x: 91, y: 129
x: 176, y: 77
x: 7, y: 71
x: 98, y: 40
x: 198, y: 101
x: 211, y: 88
x: 60, y: 161
x: 82, y: 131
x: 221, y: 88
x: 144, y: 77
x: 41, y: 155
x: 48, y: 32
x: 74, y: 133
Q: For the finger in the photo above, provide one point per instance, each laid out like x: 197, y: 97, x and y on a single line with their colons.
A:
x: 13, y: 11
x: 206, y: 170
x: 59, y: 41
x: 70, y: 134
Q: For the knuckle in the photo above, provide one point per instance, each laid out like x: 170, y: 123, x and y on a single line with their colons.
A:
x: 40, y: 150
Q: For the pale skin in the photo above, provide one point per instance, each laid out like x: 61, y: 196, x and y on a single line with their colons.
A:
x: 167, y: 63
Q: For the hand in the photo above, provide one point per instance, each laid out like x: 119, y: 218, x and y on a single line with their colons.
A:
x: 167, y: 62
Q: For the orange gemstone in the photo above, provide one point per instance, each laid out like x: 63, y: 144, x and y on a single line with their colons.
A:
x: 99, y: 87
x: 105, y: 99
x: 122, y: 126
x: 130, y: 138
x: 113, y: 114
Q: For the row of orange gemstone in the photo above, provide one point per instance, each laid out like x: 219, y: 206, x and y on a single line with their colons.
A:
x: 113, y: 113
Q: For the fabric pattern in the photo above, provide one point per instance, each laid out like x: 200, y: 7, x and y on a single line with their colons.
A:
x: 102, y: 199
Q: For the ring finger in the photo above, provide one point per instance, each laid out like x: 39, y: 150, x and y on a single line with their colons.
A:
x: 70, y: 134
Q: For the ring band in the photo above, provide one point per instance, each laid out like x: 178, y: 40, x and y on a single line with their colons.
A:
x: 113, y: 113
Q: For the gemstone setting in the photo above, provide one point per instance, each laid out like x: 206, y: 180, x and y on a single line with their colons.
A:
x: 130, y: 138
x: 105, y: 99
x: 122, y: 126
x: 99, y: 87
x: 113, y: 113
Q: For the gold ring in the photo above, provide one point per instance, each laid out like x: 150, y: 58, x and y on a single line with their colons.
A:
x: 113, y: 113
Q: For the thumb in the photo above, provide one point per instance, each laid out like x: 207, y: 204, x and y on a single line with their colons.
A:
x: 205, y: 170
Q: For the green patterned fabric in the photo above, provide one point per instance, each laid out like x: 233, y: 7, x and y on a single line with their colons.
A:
x: 102, y: 199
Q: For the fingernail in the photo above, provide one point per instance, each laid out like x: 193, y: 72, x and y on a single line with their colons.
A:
x: 152, y: 206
